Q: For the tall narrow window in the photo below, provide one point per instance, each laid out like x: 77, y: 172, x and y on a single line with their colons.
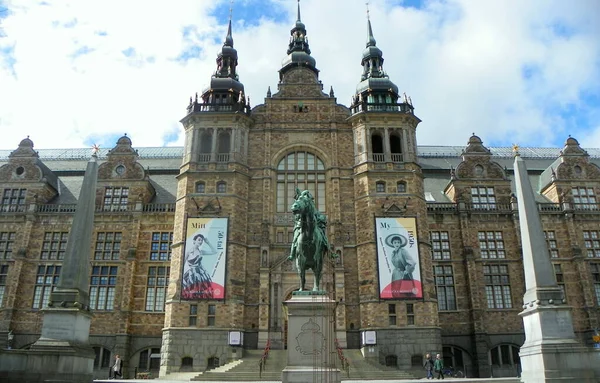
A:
x: 223, y: 147
x: 3, y: 276
x: 595, y: 268
x: 193, y: 318
x: 222, y: 187
x: 212, y: 315
x: 102, y: 287
x: 13, y: 200
x: 401, y: 187
x: 301, y: 170
x: 377, y: 148
x: 205, y: 146
x: 491, y: 244
x: 396, y: 147
x: 160, y: 247
x: 46, y: 280
x: 410, y: 314
x: 551, y: 242
x: 444, y: 286
x: 156, y: 290
x: 392, y: 314
x: 591, y: 239
x: 116, y: 198
x: 7, y: 242
x: 483, y: 197
x: 440, y: 242
x: 102, y: 359
x: 584, y: 198
x: 108, y: 246
x: 497, y: 286
x: 54, y: 245
x: 560, y: 279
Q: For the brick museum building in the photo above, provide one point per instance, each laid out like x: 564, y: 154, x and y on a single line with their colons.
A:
x: 230, y: 187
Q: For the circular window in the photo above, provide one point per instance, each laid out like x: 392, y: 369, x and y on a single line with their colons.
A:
x: 578, y: 169
x: 120, y: 170
x: 478, y: 170
x: 20, y: 170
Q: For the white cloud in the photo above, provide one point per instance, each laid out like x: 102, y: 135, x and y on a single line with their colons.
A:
x: 461, y: 61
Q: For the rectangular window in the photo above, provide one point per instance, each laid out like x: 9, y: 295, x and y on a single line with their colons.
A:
x: 280, y: 237
x: 212, y: 315
x: 584, y: 198
x: 156, y: 291
x: 7, y: 242
x: 54, y: 245
x: 595, y: 267
x: 380, y: 187
x: 193, y: 315
x: 551, y: 242
x: 483, y: 197
x: 491, y: 244
x: 13, y: 200
x: 441, y: 245
x: 444, y: 286
x: 102, y: 287
x: 392, y: 314
x: 160, y: 248
x: 497, y: 286
x: 591, y: 239
x: 560, y: 279
x: 410, y: 314
x: 108, y: 246
x: 46, y: 280
x: 116, y: 198
x: 290, y: 236
x: 3, y: 277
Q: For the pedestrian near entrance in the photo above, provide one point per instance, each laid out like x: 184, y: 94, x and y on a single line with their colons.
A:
x: 428, y: 366
x: 118, y: 367
x: 438, y: 366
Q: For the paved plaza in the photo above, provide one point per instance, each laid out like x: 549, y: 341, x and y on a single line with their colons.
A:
x: 187, y: 376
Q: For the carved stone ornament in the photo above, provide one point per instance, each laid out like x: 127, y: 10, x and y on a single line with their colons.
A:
x: 310, y: 340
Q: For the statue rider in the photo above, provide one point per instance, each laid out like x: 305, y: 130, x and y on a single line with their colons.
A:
x: 320, y: 218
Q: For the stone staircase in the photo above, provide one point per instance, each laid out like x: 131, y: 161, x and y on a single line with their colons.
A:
x: 247, y: 369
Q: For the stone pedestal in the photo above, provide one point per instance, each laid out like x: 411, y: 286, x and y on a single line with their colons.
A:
x: 310, y: 339
x: 550, y: 352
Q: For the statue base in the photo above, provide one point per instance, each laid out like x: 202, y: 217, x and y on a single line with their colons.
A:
x: 310, y: 339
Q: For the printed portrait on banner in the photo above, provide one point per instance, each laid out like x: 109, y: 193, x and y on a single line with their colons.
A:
x: 398, y: 258
x: 205, y: 259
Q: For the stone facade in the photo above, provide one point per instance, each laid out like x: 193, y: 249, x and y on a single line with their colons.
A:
x: 371, y: 167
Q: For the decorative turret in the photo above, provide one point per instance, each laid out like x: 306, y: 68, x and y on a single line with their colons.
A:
x: 375, y: 87
x: 298, y: 50
x: 225, y: 93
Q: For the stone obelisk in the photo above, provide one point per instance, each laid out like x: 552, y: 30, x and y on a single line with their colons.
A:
x: 66, y: 326
x: 551, y: 352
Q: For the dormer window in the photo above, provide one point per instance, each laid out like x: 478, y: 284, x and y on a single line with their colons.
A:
x: 584, y: 198
x: 483, y: 197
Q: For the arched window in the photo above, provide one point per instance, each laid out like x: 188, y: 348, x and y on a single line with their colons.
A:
x: 200, y: 187
x: 401, y: 187
x: 213, y: 362
x: 205, y: 146
x: 223, y: 144
x: 391, y: 360
x: 380, y: 187
x: 187, y: 364
x: 102, y: 358
x: 377, y: 147
x: 221, y: 187
x: 505, y: 355
x: 149, y: 359
x: 302, y: 170
x: 396, y: 147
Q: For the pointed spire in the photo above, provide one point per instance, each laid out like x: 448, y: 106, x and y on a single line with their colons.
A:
x: 229, y: 38
x: 299, y: 18
x: 370, y: 38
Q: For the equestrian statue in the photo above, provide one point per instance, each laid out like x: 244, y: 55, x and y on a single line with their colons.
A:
x: 310, y: 238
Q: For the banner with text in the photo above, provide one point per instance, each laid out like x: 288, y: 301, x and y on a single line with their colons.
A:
x: 205, y: 259
x: 398, y: 258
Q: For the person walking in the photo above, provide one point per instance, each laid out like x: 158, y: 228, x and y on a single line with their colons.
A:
x: 428, y: 366
x: 118, y: 367
x: 438, y: 366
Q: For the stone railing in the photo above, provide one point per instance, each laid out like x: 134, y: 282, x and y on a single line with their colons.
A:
x: 101, y: 209
x: 364, y: 106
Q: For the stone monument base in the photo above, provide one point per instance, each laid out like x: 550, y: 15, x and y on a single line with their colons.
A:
x: 62, y: 354
x: 312, y: 355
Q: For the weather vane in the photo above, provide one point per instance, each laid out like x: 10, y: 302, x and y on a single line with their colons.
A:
x: 515, y: 149
x: 230, y: 9
x: 367, y: 3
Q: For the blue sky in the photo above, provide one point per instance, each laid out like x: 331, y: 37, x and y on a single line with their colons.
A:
x: 75, y: 73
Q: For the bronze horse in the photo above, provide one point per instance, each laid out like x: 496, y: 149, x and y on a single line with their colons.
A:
x: 310, y: 240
